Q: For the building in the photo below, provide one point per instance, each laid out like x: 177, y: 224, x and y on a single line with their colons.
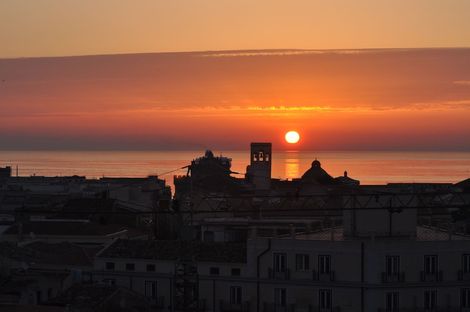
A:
x: 5, y: 172
x: 77, y: 231
x: 360, y: 266
x: 258, y: 173
x: 34, y: 272
x: 170, y: 273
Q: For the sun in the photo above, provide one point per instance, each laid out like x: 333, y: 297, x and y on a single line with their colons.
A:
x: 292, y: 137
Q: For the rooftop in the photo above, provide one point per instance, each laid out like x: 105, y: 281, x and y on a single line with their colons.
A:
x: 423, y: 233
x: 172, y: 250
x: 63, y: 253
x: 66, y: 228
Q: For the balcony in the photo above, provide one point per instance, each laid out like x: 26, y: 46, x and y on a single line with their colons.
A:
x: 431, y: 277
x: 278, y: 275
x: 393, y: 277
x: 323, y: 277
x: 231, y: 307
x: 463, y: 276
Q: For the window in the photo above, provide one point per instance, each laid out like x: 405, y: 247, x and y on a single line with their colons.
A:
x: 302, y: 262
x: 130, y: 266
x: 150, y: 289
x: 236, y: 272
x: 465, y: 298
x: 392, y: 301
x: 392, y: 265
x: 324, y: 264
x: 214, y: 271
x: 430, y: 264
x: 110, y: 266
x: 466, y: 263
x: 150, y: 267
x: 235, y: 295
x: 255, y: 157
x: 280, y: 297
x: 430, y: 299
x: 324, y: 299
x: 279, y: 262
x: 266, y: 157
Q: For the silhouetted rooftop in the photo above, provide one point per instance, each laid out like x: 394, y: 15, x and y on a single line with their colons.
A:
x: 317, y: 175
x: 423, y: 233
x: 63, y: 253
x: 172, y: 250
x: 67, y: 228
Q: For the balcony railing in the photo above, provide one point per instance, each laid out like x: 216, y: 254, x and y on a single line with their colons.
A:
x: 323, y: 277
x: 232, y: 307
x: 463, y: 276
x: 393, y: 277
x: 280, y: 275
x: 431, y: 277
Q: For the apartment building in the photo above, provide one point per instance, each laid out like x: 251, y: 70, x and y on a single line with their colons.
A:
x: 358, y: 266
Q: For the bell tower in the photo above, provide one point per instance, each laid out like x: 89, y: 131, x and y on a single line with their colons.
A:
x: 259, y: 170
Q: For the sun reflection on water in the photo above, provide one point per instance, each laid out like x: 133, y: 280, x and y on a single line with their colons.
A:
x: 292, y: 165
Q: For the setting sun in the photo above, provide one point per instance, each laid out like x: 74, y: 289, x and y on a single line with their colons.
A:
x: 292, y: 137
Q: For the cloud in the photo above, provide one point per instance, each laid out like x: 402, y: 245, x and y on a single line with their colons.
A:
x: 290, y: 52
x: 462, y: 82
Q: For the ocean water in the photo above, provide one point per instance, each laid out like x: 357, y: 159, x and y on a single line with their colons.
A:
x: 368, y: 167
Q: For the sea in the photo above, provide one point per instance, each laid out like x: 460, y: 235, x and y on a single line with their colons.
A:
x: 369, y: 167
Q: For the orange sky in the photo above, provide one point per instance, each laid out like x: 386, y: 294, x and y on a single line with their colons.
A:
x: 78, y: 27
x: 348, y: 99
x: 277, y: 77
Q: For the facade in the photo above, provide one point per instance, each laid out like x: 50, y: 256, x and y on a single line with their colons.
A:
x: 416, y: 268
x: 33, y: 273
x: 155, y: 269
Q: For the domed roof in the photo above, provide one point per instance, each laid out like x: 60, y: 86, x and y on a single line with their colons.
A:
x: 316, y: 163
x: 317, y: 175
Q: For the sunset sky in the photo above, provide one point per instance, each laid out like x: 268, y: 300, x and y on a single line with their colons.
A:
x: 268, y: 73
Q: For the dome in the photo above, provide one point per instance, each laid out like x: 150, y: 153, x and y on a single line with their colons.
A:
x: 317, y: 175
